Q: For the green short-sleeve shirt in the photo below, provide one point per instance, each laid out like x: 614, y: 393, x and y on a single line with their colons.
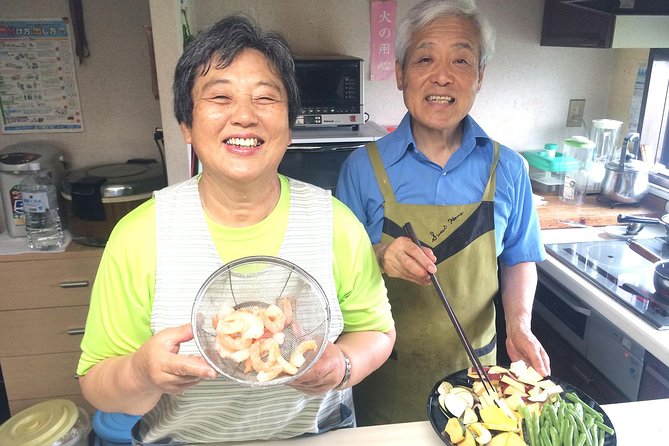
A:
x: 122, y: 296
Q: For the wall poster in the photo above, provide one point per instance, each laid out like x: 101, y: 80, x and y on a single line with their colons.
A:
x: 637, y: 96
x: 382, y: 28
x: 38, y: 85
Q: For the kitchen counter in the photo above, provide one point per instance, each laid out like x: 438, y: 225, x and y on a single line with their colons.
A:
x: 591, y: 212
x: 636, y: 423
x: 654, y: 341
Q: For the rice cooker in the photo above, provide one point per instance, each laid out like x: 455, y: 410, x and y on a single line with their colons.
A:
x: 96, y: 198
x: 15, y: 161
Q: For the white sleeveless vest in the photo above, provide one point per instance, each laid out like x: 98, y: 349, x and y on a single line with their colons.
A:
x: 220, y: 410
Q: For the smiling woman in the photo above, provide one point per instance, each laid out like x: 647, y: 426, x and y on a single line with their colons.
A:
x: 235, y: 100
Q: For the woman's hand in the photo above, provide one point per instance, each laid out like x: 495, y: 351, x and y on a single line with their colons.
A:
x: 159, y: 366
x: 324, y: 375
x: 402, y: 258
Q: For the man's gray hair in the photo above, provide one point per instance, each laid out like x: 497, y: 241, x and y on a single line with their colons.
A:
x: 427, y: 11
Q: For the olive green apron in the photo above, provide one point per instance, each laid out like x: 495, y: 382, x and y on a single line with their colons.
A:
x: 462, y: 238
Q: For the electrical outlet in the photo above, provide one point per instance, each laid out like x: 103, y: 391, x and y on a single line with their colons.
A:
x: 575, y: 113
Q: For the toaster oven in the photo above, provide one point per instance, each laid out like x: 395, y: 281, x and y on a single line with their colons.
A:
x: 331, y: 91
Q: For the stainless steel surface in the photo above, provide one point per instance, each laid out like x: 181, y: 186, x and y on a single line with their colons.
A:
x: 664, y: 220
x: 634, y: 228
x: 626, y: 181
x: 261, y: 281
x: 620, y: 272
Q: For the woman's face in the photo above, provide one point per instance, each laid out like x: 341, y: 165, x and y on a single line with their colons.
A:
x: 240, y: 125
x: 441, y: 78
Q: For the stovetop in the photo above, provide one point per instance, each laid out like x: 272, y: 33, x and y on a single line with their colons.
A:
x: 621, y: 273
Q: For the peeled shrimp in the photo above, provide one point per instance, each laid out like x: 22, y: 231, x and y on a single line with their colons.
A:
x: 287, y: 308
x: 274, y: 319
x: 242, y: 324
x: 297, y: 357
x: 235, y: 332
x: 265, y: 355
x: 270, y: 374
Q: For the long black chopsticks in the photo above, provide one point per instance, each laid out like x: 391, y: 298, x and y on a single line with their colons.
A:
x: 480, y: 371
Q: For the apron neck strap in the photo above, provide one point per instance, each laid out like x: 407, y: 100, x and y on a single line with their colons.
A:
x: 489, y: 193
x: 380, y: 172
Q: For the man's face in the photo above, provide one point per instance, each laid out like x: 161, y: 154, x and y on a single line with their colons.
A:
x: 441, y: 76
x: 240, y: 125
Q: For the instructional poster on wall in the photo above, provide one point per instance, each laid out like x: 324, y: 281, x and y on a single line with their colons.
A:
x: 38, y: 85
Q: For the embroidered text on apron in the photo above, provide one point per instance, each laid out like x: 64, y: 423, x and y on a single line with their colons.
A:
x: 427, y: 348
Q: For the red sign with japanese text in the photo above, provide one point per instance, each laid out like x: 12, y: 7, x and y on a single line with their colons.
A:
x: 382, y: 28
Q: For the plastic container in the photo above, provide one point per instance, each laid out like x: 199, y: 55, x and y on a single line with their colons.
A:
x: 57, y: 422
x: 113, y: 429
x: 550, y: 150
x: 41, y: 211
x: 575, y: 184
x: 547, y: 168
x: 15, y: 163
x: 604, y: 134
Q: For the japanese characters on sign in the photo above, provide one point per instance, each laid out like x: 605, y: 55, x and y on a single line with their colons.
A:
x: 38, y: 86
x: 383, y: 24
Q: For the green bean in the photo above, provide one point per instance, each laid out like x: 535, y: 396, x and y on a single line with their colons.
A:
x: 525, y: 413
x: 573, y: 397
x: 568, y: 438
x: 581, y: 426
x: 588, y: 420
x: 581, y: 439
x: 552, y: 414
x: 555, y: 436
x: 544, y: 438
x: 593, y: 434
x: 604, y: 427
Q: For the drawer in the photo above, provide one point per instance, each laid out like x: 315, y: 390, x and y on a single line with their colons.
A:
x: 43, y: 331
x: 41, y: 376
x: 16, y: 406
x: 47, y: 283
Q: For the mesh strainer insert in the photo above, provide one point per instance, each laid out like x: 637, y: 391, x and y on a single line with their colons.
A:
x: 256, y: 286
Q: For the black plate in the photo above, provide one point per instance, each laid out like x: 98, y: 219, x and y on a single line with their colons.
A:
x: 438, y: 419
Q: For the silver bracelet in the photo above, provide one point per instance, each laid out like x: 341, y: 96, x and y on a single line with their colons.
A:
x: 347, y: 372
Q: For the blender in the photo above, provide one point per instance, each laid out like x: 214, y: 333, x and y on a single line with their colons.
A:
x: 604, y: 133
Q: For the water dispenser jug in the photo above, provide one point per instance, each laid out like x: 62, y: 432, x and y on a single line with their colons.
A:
x: 604, y: 134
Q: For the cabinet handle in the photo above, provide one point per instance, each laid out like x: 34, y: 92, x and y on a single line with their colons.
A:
x: 74, y: 284
x: 583, y: 376
x: 75, y: 331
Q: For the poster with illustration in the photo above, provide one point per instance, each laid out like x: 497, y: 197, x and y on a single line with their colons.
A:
x: 38, y: 85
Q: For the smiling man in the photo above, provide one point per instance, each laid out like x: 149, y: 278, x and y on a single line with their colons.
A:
x: 469, y: 201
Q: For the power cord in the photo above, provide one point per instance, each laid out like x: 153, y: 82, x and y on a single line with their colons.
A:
x: 160, y: 143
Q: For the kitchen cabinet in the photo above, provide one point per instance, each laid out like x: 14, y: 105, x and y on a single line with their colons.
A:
x: 568, y: 365
x: 43, y: 311
x: 623, y: 7
x: 570, y: 26
x: 654, y: 380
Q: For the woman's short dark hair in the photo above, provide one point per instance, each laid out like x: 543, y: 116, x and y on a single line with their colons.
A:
x: 220, y: 44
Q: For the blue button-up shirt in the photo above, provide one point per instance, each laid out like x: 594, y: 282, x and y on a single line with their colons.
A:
x: 417, y: 180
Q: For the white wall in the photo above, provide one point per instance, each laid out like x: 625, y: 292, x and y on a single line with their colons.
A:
x: 526, y: 90
x: 523, y: 102
x: 118, y: 107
